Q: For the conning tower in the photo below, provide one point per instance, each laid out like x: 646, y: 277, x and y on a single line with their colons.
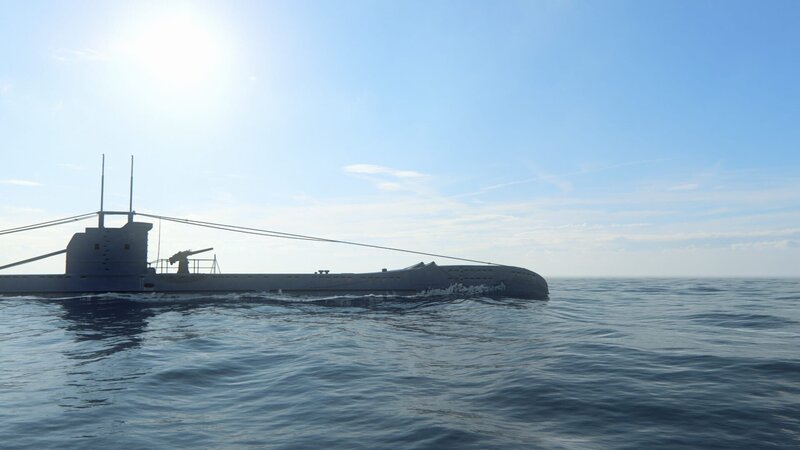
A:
x: 109, y: 251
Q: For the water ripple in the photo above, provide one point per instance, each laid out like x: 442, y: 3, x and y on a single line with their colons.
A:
x: 621, y: 363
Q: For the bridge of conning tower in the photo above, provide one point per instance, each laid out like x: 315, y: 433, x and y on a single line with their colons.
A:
x: 109, y: 251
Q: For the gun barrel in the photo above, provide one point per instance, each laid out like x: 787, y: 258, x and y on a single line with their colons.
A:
x: 190, y: 252
x: 186, y: 253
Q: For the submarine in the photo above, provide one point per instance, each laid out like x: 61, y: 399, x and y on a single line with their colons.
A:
x: 105, y: 259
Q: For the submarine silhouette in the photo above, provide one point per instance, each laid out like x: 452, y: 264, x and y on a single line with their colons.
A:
x: 114, y: 260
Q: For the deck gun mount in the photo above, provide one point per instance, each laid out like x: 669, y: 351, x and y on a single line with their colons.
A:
x: 182, y: 258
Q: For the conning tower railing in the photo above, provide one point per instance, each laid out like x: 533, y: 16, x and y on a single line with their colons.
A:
x: 196, y: 265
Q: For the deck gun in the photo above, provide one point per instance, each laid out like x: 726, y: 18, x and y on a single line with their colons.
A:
x: 182, y: 258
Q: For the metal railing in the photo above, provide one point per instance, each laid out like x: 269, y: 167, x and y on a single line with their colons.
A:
x: 196, y: 265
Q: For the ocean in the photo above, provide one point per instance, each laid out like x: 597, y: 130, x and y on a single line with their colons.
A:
x: 605, y: 363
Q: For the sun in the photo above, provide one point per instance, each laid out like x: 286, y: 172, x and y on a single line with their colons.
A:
x: 178, y: 53
x: 178, y: 61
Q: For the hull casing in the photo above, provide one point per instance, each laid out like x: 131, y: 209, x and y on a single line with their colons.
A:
x: 506, y: 281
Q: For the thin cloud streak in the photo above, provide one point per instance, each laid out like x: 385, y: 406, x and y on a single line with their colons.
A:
x: 540, y: 236
x: 562, y: 181
x: 506, y: 234
x: 388, y: 179
x: 371, y: 169
x: 79, y: 55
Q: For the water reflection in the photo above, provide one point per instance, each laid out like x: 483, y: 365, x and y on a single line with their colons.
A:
x: 113, y: 324
x: 103, y: 325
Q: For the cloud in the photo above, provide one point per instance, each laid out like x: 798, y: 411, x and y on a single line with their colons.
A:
x: 748, y: 228
x: 561, y: 182
x: 709, y: 237
x: 607, y: 167
x: 20, y: 183
x: 389, y: 179
x: 371, y: 169
x: 745, y: 225
x: 5, y: 87
x: 555, y: 180
x: 81, y: 55
x: 542, y: 236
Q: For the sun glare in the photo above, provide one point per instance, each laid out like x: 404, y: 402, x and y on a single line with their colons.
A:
x: 178, y: 53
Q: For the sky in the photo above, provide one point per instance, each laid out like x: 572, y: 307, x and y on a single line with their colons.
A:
x: 573, y: 138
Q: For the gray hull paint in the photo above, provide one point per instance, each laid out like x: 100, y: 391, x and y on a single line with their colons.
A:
x: 504, y: 281
x: 102, y: 259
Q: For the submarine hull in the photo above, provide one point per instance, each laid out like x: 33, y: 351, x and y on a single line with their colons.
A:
x: 505, y: 281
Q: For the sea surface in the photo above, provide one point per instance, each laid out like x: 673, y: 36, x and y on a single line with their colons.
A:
x: 605, y: 363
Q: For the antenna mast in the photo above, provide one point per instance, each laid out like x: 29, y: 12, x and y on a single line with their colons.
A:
x: 130, y: 201
x: 101, y: 220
